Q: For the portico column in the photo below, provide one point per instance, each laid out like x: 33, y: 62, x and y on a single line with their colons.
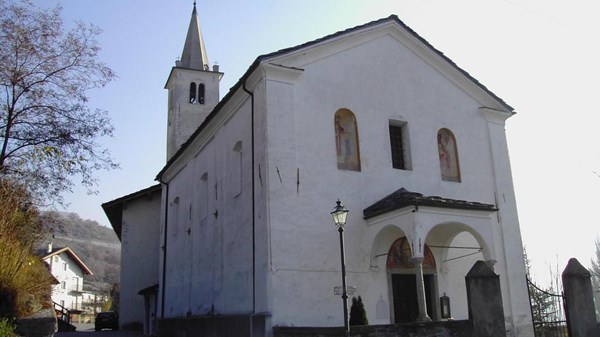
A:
x: 423, y: 317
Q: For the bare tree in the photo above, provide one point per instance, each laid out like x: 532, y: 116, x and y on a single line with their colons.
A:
x: 595, y: 271
x: 48, y: 134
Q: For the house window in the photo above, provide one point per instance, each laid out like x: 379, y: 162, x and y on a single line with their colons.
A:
x: 201, y: 93
x: 448, y: 154
x: 399, y: 145
x: 64, y: 266
x: 346, y: 141
x: 63, y: 285
x: 55, y: 259
x: 192, y: 92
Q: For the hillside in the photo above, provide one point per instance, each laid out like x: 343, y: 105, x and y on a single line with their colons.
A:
x: 96, y: 245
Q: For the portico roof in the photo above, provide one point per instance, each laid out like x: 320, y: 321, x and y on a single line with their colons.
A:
x: 403, y: 198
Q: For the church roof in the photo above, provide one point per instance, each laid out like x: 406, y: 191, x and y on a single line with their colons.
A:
x: 403, y: 198
x: 194, y: 53
x: 262, y: 58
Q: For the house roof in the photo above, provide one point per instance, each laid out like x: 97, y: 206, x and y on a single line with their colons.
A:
x: 403, y: 198
x: 59, y: 250
x: 114, y: 208
x: 264, y: 57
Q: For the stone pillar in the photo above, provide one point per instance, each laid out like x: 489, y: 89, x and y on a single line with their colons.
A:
x: 421, y: 299
x: 577, y: 285
x: 484, y: 297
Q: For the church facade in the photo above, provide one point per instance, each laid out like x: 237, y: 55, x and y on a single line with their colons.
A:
x: 374, y: 116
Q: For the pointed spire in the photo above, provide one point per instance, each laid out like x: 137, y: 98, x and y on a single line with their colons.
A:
x: 194, y: 52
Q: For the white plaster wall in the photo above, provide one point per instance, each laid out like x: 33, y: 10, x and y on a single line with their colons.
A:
x: 209, y: 235
x: 73, y: 278
x: 139, y: 254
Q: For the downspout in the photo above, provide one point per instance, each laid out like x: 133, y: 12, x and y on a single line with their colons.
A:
x: 253, y: 196
x: 164, y: 266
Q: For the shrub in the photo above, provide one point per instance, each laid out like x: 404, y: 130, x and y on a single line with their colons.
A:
x: 7, y: 328
x: 358, y: 315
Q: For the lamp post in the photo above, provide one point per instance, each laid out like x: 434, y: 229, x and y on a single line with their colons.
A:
x: 339, y: 218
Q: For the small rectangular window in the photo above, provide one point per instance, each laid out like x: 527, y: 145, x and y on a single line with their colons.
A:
x: 396, y: 144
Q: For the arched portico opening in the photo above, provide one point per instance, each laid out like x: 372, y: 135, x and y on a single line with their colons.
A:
x: 403, y: 279
x: 457, y: 247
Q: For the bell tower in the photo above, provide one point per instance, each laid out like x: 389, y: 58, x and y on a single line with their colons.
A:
x: 193, y: 88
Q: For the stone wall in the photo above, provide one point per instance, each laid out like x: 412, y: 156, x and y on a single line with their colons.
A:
x: 41, y: 324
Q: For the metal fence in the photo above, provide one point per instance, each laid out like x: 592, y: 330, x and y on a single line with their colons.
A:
x: 547, y: 312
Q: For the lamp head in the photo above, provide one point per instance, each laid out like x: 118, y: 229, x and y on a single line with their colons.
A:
x: 339, y: 214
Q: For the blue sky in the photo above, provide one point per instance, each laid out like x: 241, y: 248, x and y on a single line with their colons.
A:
x: 540, y: 56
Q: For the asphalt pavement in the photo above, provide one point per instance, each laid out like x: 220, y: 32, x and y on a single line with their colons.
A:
x: 87, y: 330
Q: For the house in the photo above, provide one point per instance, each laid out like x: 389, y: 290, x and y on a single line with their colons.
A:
x: 68, y: 269
x: 135, y: 219
x: 374, y: 116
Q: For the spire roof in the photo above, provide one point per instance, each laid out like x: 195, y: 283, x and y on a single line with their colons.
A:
x: 194, y: 53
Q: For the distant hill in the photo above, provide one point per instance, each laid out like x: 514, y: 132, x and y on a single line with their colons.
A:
x: 96, y: 245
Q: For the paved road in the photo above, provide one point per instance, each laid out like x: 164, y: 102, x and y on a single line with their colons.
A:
x: 87, y: 330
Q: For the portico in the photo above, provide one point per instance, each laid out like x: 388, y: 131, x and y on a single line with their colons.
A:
x: 406, y: 226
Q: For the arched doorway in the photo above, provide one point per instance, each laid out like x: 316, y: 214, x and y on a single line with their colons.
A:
x: 403, y: 282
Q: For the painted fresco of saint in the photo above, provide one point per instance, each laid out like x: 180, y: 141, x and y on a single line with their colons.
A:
x: 346, y: 141
x: 448, y: 155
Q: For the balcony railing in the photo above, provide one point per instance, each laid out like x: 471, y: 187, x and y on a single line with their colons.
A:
x: 75, y: 289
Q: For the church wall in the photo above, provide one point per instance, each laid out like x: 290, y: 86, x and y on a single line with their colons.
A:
x: 209, y: 264
x: 263, y: 284
x: 378, y: 81
x: 139, y: 253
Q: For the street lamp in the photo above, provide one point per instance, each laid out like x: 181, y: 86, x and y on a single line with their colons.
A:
x: 339, y: 218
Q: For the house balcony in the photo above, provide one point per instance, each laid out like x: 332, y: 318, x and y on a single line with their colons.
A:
x: 75, y: 290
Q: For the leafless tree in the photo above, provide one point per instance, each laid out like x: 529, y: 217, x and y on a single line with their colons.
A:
x: 595, y: 271
x: 48, y: 133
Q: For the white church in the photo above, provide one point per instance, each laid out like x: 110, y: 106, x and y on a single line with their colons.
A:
x: 238, y: 230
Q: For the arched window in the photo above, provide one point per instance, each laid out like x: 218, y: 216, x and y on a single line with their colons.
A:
x: 236, y: 169
x: 346, y: 141
x: 448, y: 154
x: 201, y: 93
x: 192, y: 92
x: 203, y: 209
x: 174, y: 213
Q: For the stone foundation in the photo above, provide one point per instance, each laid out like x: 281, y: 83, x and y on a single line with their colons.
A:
x: 439, y: 329
x: 213, y: 326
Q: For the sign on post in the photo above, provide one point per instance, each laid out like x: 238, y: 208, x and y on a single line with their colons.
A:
x: 350, y: 290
